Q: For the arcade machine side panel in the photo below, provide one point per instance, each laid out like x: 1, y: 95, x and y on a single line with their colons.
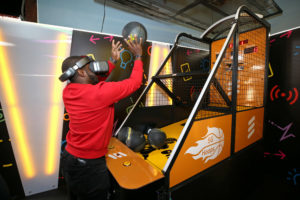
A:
x: 209, y: 137
x: 133, y: 176
x: 251, y: 87
x: 250, y: 83
x: 129, y: 169
x: 207, y: 144
x: 249, y: 127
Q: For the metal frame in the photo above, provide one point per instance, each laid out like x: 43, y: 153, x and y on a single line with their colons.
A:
x: 191, y: 117
x: 232, y: 34
x: 156, y: 75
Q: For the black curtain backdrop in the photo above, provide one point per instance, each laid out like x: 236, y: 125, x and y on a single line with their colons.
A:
x: 282, y: 127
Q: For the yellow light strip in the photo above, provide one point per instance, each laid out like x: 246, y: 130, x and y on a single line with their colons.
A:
x: 7, y: 165
x: 153, y: 68
x: 168, y: 71
x: 14, y: 114
x: 53, y: 131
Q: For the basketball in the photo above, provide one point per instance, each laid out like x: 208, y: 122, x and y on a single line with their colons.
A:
x: 122, y: 135
x: 134, y: 28
x: 157, y: 138
x: 135, y: 140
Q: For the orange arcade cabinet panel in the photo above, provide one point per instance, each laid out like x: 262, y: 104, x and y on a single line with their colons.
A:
x: 251, y: 68
x: 207, y: 143
x: 129, y: 169
x: 249, y: 127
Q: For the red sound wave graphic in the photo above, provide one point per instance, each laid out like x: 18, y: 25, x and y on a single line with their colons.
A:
x: 275, y: 92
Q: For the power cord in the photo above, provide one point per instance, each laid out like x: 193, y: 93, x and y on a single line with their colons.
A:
x: 23, y: 10
x: 104, y: 4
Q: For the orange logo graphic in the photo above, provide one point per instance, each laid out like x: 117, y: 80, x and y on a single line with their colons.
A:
x: 210, y: 146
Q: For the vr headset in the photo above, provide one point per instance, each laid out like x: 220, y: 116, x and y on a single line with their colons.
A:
x: 99, y: 68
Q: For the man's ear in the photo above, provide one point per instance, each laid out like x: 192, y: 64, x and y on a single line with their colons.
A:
x: 81, y: 72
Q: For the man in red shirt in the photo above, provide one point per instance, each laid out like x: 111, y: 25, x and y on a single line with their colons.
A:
x: 90, y: 104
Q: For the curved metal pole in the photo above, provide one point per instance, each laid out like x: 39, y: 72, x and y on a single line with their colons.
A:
x: 236, y: 16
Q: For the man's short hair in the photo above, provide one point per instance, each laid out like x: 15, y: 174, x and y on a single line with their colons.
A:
x: 70, y: 62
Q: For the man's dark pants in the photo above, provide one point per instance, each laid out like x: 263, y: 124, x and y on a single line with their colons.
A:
x: 86, y: 179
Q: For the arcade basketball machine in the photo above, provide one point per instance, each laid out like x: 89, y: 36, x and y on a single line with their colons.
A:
x: 207, y: 117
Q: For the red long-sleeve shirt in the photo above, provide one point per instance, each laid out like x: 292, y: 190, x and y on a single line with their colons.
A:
x: 91, y: 112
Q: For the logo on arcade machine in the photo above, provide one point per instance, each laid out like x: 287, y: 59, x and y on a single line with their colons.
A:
x: 210, y: 146
x: 251, y: 126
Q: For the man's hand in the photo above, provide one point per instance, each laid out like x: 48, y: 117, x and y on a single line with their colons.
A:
x: 135, y: 47
x: 116, y: 50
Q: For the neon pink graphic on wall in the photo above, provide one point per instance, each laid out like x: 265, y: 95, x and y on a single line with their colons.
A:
x: 109, y: 37
x: 92, y: 39
x: 279, y: 154
x: 285, y: 130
